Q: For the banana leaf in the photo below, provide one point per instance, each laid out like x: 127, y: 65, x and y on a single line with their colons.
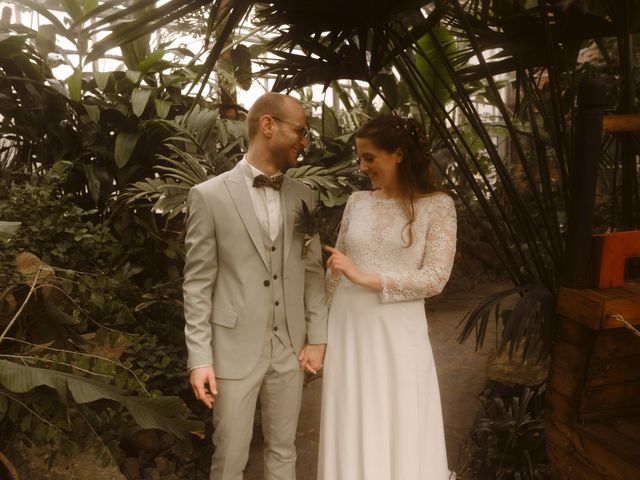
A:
x: 164, y: 413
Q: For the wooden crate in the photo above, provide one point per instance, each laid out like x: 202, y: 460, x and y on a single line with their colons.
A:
x: 593, y: 393
x: 610, y: 251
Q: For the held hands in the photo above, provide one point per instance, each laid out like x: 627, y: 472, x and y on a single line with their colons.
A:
x: 203, y: 384
x: 311, y: 357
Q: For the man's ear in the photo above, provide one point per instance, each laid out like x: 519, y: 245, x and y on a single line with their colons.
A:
x: 266, y: 126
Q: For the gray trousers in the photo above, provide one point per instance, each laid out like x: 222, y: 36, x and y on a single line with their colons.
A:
x: 278, y: 380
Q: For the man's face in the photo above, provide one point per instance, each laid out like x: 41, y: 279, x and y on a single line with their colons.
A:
x: 290, y: 137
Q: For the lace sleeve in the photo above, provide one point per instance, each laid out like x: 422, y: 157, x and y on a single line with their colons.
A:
x: 440, y: 249
x: 332, y: 279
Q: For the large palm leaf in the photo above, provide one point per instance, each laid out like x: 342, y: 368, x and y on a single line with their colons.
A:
x: 540, y: 46
x: 318, y: 42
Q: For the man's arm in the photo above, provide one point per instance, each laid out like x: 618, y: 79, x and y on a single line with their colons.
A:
x: 199, y: 278
x: 316, y: 310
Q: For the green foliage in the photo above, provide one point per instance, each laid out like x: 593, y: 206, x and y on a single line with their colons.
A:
x: 333, y: 184
x: 77, y: 331
x: 54, y: 227
x: 516, y: 188
x: 163, y: 412
x: 509, y: 440
x: 34, y: 125
x: 528, y: 320
x: 516, y: 192
x: 432, y: 70
x: 98, y: 122
x: 201, y: 145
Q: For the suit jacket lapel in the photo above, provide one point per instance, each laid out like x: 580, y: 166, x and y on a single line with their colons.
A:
x: 288, y: 205
x: 237, y: 186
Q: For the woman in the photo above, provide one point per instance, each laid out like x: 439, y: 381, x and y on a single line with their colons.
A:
x: 381, y: 412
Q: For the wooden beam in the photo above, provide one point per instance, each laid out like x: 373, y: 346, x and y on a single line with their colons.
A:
x: 621, y: 123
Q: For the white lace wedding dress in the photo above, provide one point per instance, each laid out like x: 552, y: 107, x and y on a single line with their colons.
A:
x: 381, y: 412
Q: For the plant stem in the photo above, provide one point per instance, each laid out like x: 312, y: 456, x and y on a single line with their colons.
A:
x: 30, y: 410
x: 15, y: 317
x: 83, y: 354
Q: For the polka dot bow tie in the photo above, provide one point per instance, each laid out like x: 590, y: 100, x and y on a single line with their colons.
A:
x: 264, y: 181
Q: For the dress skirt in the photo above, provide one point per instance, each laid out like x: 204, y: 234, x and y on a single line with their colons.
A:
x: 381, y: 411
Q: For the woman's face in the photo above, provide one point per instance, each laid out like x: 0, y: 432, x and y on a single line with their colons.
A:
x: 379, y: 165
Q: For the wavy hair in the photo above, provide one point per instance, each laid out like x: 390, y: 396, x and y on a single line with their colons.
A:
x: 391, y: 132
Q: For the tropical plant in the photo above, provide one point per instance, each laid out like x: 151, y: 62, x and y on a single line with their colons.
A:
x: 65, y: 325
x: 102, y: 128
x: 508, y: 441
x: 31, y: 109
x: 536, y: 45
x: 201, y: 145
x: 204, y: 146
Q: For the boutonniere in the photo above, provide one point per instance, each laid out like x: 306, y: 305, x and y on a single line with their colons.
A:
x: 308, y: 225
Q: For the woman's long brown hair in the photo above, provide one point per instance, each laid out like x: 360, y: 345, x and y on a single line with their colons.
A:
x: 390, y: 133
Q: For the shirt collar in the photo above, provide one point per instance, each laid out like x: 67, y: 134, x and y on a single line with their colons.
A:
x: 256, y: 171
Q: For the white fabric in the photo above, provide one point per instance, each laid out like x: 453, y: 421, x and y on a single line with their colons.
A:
x: 381, y: 411
x: 266, y: 203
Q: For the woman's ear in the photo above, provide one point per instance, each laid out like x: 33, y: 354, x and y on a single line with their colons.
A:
x: 399, y: 155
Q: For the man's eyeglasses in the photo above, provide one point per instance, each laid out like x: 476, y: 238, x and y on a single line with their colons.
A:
x: 303, y: 132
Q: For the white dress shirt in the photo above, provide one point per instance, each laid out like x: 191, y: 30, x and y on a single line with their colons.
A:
x: 266, y: 203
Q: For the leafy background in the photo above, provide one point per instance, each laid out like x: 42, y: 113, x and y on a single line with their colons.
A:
x: 96, y: 168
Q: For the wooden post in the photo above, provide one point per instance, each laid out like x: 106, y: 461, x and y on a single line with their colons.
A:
x: 584, y: 173
x: 626, y: 139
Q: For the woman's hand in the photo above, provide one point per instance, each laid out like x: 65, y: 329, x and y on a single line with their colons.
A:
x: 339, y: 263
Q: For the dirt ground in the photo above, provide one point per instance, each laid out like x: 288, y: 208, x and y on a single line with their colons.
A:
x: 461, y: 373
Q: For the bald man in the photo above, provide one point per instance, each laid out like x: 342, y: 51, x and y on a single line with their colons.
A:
x: 254, y: 305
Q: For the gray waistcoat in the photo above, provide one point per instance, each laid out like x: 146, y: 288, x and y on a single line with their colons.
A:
x: 277, y: 316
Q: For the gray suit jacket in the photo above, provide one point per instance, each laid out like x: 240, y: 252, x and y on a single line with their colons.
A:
x: 226, y: 304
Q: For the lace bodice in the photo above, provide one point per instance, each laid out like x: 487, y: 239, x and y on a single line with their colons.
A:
x: 371, y: 234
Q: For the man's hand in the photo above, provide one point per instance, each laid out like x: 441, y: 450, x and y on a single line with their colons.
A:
x: 311, y: 357
x: 203, y: 384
